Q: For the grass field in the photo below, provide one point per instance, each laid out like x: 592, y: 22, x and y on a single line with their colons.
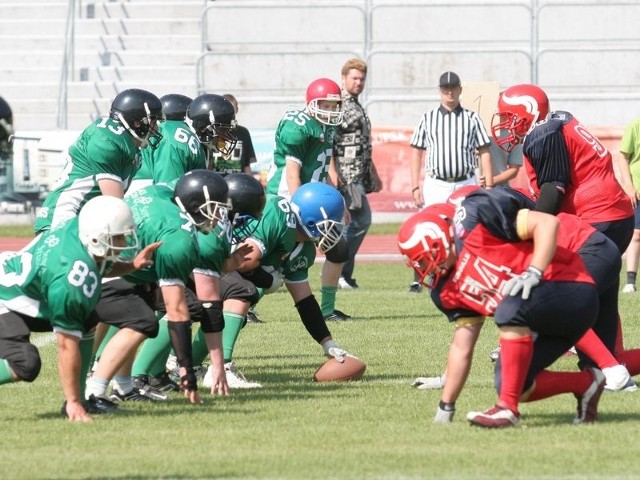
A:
x: 378, y: 428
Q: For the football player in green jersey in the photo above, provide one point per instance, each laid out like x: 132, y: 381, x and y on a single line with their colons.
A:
x: 104, y: 158
x: 188, y: 137
x: 304, y: 144
x: 54, y: 284
x: 246, y: 198
x: 284, y: 248
x: 171, y: 216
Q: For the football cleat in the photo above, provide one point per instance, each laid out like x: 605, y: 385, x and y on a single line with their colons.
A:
x: 235, y: 378
x: 252, y: 317
x: 494, y: 354
x: 588, y: 401
x: 147, y: 394
x: 617, y: 377
x: 495, y: 417
x: 348, y: 283
x: 415, y: 287
x: 162, y: 383
x: 338, y: 316
x: 629, y: 288
x: 93, y: 406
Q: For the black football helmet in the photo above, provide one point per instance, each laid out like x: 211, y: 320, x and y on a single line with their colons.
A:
x: 174, y: 106
x: 202, y: 196
x: 139, y: 112
x: 246, y: 201
x: 213, y: 120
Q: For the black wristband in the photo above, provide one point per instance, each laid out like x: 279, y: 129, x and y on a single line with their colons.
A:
x: 180, y: 335
x: 447, y: 407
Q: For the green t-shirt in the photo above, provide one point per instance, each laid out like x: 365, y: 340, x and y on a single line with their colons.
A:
x: 630, y: 145
x: 54, y: 279
x: 104, y: 150
x: 304, y: 140
x: 178, y: 152
x: 158, y: 219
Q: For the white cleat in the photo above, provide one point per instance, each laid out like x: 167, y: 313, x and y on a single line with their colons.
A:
x: 629, y: 288
x: 617, y: 377
x: 235, y: 378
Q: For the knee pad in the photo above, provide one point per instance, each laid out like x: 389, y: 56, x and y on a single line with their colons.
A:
x: 339, y: 253
x: 26, y: 362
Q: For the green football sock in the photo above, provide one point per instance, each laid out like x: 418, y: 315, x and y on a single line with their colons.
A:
x: 233, y: 323
x: 199, y: 348
x: 328, y: 304
x: 86, y: 359
x: 5, y: 372
x: 152, y: 356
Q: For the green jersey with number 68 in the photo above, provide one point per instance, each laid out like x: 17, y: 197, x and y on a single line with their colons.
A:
x: 104, y: 150
x: 54, y: 278
x: 305, y: 141
x: 178, y: 152
x: 158, y: 219
x: 277, y: 237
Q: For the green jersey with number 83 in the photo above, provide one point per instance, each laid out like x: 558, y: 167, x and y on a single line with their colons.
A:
x: 54, y: 278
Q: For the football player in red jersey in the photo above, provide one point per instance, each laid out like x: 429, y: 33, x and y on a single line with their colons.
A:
x: 570, y: 171
x: 474, y: 270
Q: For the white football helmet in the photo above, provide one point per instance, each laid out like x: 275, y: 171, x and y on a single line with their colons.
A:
x: 100, y: 220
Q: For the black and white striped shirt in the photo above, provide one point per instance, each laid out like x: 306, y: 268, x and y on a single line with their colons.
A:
x: 451, y: 140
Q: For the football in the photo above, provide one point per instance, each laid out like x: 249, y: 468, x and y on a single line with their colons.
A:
x: 333, y: 371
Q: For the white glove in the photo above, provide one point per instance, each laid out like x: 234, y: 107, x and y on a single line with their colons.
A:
x: 331, y: 349
x: 443, y: 416
x: 524, y: 282
x: 429, y: 383
x: 277, y: 278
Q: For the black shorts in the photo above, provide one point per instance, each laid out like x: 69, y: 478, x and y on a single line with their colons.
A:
x: 235, y: 286
x: 125, y: 305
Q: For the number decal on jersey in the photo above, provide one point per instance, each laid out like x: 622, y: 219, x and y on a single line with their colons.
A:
x: 82, y: 276
x: 482, y: 282
x: 320, y: 173
x: 11, y: 279
x: 116, y: 129
x: 64, y: 175
x: 599, y: 148
x: 184, y: 136
x: 285, y: 206
x: 299, y: 118
x: 187, y: 225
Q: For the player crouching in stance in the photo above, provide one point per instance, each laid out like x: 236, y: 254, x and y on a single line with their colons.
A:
x: 518, y: 266
x: 54, y: 284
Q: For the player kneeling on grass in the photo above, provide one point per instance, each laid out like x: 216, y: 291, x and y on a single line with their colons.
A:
x: 54, y: 284
x: 514, y: 264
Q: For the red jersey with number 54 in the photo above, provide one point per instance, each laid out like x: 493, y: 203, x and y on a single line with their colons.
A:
x: 562, y: 151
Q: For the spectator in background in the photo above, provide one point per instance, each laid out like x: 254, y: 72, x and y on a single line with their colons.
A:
x: 242, y: 156
x: 630, y: 149
x: 353, y: 170
x: 505, y: 164
x: 453, y: 138
x: 6, y: 131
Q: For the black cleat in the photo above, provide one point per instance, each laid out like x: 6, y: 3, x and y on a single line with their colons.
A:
x: 338, y: 316
x: 94, y: 406
x: 162, y: 383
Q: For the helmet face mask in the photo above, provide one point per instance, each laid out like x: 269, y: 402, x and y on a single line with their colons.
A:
x: 107, y: 229
x: 324, y: 101
x: 425, y: 240
x: 319, y: 209
x: 520, y: 107
x: 202, y: 197
x: 139, y: 112
x: 212, y: 119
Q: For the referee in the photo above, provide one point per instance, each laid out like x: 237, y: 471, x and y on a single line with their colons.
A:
x: 453, y: 138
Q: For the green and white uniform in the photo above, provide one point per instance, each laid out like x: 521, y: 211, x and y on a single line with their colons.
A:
x: 215, y: 248
x: 277, y: 238
x: 178, y: 152
x: 160, y: 220
x: 305, y: 141
x: 104, y: 150
x: 54, y: 279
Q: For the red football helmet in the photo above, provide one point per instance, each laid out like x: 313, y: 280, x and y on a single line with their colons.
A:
x: 519, y: 108
x: 425, y: 241
x: 325, y: 90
